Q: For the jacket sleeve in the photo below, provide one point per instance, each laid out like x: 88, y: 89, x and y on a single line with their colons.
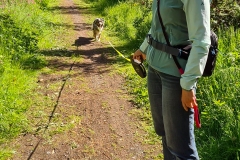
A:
x: 198, y: 21
x: 144, y: 45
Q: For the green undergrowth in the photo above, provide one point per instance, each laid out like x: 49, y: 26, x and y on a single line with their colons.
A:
x: 27, y: 32
x: 218, y: 100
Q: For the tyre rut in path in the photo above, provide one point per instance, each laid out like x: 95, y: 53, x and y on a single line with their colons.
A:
x: 94, y: 94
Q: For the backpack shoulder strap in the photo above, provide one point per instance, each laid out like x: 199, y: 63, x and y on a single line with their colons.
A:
x: 166, y: 37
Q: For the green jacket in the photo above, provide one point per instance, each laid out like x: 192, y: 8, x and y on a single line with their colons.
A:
x: 186, y: 22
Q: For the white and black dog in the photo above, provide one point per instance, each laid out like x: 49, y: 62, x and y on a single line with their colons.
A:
x: 98, y: 24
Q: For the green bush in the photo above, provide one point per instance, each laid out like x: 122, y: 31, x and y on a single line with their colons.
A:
x: 16, y: 41
x: 225, y: 13
x: 20, y: 25
x: 43, y: 3
x: 102, y: 4
x: 229, y: 48
x: 120, y: 19
x: 128, y: 20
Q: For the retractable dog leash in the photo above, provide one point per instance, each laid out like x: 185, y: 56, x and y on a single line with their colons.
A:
x: 119, y: 52
x: 137, y: 65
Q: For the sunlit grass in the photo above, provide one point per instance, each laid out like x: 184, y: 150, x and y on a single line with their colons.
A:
x: 25, y: 29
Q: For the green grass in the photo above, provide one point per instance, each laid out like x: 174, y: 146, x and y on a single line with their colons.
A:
x: 14, y: 93
x: 218, y: 95
x: 219, y: 103
x: 25, y: 29
x: 15, y: 98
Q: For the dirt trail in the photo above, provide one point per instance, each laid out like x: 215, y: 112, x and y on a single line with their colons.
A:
x: 104, y: 128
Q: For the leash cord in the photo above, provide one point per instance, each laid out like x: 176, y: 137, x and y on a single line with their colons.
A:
x: 119, y: 52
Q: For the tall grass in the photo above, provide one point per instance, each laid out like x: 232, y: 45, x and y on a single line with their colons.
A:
x: 219, y: 104
x: 218, y: 95
x: 24, y: 30
x: 14, y: 101
x: 128, y: 20
x: 101, y: 4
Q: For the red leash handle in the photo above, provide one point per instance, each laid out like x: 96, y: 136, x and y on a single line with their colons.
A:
x: 197, y: 117
x: 196, y: 111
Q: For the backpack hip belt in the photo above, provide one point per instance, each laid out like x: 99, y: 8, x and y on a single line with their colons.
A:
x: 162, y: 47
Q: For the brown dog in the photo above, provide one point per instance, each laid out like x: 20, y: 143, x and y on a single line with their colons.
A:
x: 98, y: 24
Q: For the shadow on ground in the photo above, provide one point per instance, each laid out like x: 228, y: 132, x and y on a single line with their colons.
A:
x: 72, y: 9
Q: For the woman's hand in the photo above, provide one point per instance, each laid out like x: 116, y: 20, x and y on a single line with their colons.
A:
x: 188, y: 99
x: 139, y: 55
